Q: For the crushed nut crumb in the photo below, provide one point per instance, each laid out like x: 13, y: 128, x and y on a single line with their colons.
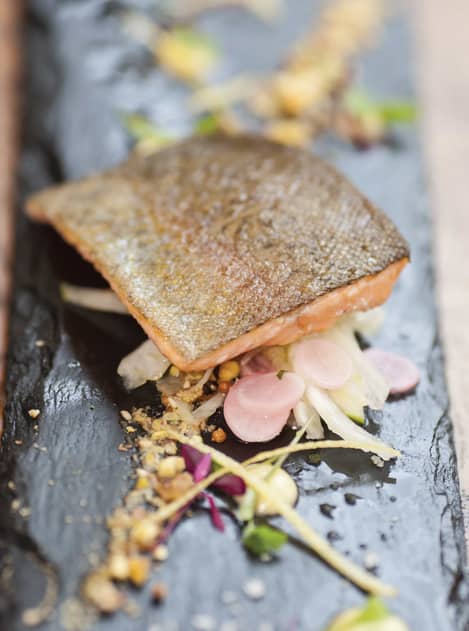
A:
x: 159, y: 592
x: 218, y: 435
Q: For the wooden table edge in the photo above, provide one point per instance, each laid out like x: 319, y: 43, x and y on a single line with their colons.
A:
x: 443, y: 85
x: 10, y: 71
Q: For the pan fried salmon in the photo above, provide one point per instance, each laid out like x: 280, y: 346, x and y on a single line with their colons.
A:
x: 220, y: 245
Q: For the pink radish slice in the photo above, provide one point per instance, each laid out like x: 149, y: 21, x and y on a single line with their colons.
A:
x: 401, y: 374
x: 254, y: 363
x: 252, y: 426
x: 323, y: 362
x: 269, y: 393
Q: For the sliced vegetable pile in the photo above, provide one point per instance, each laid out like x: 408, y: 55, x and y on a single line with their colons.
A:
x: 321, y: 381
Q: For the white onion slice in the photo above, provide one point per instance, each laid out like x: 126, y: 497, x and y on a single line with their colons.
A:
x: 92, y: 298
x: 145, y: 363
x: 366, y: 322
x: 336, y: 420
x: 305, y: 413
x: 209, y: 407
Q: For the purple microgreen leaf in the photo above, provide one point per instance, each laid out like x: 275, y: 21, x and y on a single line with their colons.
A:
x: 171, y: 525
x: 215, y: 514
x: 191, y: 457
x: 230, y: 484
x: 203, y: 468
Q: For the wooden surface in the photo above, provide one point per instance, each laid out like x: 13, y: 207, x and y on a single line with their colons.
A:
x: 9, y: 74
x: 443, y: 77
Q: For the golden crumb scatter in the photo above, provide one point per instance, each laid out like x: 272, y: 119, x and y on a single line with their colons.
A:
x: 161, y: 553
x: 139, y: 569
x: 170, y: 466
x: 99, y: 590
x: 34, y: 412
x: 126, y: 415
x: 118, y: 567
x: 171, y: 489
x: 144, y: 533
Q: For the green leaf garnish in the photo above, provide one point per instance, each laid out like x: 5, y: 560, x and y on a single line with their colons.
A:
x: 140, y: 128
x: 398, y: 112
x: 196, y: 39
x: 373, y: 616
x: 374, y: 611
x: 359, y: 103
x: 262, y: 539
x: 207, y: 125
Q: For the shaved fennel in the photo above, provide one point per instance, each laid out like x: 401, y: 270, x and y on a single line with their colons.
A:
x: 145, y: 363
x: 336, y: 420
x: 92, y: 298
x: 305, y: 413
x: 351, y: 399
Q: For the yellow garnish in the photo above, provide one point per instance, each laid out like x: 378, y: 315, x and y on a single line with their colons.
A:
x: 289, y: 132
x: 280, y: 482
x: 228, y: 370
x: 349, y: 570
x: 186, y: 54
x: 221, y: 95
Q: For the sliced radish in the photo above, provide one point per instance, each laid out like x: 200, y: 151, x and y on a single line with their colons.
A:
x: 252, y: 426
x: 323, y: 362
x: 375, y: 387
x: 269, y: 393
x: 401, y: 374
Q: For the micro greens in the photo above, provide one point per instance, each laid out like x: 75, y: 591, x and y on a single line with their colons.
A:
x: 359, y: 103
x: 341, y: 564
x: 262, y: 539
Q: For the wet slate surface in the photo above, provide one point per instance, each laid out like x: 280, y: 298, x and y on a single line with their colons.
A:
x: 81, y: 71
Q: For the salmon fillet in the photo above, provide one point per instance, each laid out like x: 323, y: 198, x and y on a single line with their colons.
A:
x: 221, y: 245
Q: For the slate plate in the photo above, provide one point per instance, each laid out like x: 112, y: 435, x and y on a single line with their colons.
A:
x: 82, y: 70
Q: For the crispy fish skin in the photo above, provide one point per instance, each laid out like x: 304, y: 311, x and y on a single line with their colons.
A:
x: 219, y: 245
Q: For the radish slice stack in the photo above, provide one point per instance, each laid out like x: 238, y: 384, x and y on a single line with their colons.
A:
x: 323, y: 362
x: 401, y: 374
x: 257, y: 407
